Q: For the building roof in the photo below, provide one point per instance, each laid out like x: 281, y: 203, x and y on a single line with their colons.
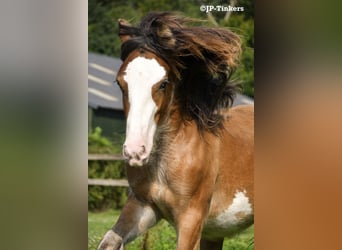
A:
x: 102, y: 92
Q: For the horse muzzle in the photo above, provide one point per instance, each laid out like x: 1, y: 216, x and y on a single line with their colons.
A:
x: 136, y: 156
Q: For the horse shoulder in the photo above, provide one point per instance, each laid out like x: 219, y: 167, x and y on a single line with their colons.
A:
x: 239, y: 126
x: 236, y: 157
x: 243, y: 114
x: 238, y: 137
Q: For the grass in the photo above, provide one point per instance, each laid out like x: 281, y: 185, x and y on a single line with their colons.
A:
x: 160, y: 237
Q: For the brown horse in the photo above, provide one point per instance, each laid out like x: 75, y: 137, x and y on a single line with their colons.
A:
x: 190, y: 156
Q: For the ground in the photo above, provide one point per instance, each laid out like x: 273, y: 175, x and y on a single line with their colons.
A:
x: 160, y: 237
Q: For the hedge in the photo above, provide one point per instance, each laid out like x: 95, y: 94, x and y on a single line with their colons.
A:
x: 104, y: 197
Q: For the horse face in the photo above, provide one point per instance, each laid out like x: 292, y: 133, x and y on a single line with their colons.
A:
x: 144, y: 83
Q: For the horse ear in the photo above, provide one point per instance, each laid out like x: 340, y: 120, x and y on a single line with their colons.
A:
x: 122, y: 34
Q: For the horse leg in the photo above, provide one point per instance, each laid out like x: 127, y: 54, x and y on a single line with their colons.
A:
x: 211, y: 245
x: 189, y: 229
x: 136, y: 217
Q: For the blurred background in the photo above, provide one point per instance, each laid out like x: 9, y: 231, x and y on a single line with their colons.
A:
x: 44, y: 125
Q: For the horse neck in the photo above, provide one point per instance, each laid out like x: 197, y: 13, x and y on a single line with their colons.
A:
x: 172, y: 131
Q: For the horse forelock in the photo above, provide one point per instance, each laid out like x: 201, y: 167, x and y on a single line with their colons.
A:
x: 201, y: 59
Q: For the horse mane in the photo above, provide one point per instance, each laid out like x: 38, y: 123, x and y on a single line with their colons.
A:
x: 201, y: 59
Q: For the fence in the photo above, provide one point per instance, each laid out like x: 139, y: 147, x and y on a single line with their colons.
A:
x: 106, y: 182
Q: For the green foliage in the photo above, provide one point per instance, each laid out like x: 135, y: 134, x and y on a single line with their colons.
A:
x: 102, y: 24
x: 160, y: 237
x: 103, y: 15
x: 244, y: 74
x: 100, y: 144
x: 102, y: 197
x: 97, y: 139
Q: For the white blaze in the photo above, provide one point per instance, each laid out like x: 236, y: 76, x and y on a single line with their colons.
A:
x: 141, y: 74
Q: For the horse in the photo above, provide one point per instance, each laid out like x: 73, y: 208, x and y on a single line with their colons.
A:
x: 189, y: 153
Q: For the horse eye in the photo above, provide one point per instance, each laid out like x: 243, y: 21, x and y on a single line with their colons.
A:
x: 163, y: 85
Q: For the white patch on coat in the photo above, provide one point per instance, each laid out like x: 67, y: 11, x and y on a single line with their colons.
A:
x: 232, y: 215
x: 141, y: 74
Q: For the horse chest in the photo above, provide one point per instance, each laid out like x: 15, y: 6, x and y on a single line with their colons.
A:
x: 162, y: 197
x: 154, y: 192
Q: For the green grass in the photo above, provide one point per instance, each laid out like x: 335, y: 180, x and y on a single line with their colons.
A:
x: 160, y: 237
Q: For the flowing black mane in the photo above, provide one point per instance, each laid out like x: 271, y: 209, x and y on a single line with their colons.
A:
x: 201, y: 59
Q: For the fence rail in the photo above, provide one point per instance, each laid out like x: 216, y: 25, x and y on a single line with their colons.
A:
x: 105, y: 157
x: 106, y: 182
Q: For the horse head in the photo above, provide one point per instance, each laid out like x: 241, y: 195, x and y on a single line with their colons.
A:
x: 147, y: 90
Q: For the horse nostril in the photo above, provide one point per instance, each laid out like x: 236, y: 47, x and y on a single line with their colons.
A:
x: 131, y: 152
